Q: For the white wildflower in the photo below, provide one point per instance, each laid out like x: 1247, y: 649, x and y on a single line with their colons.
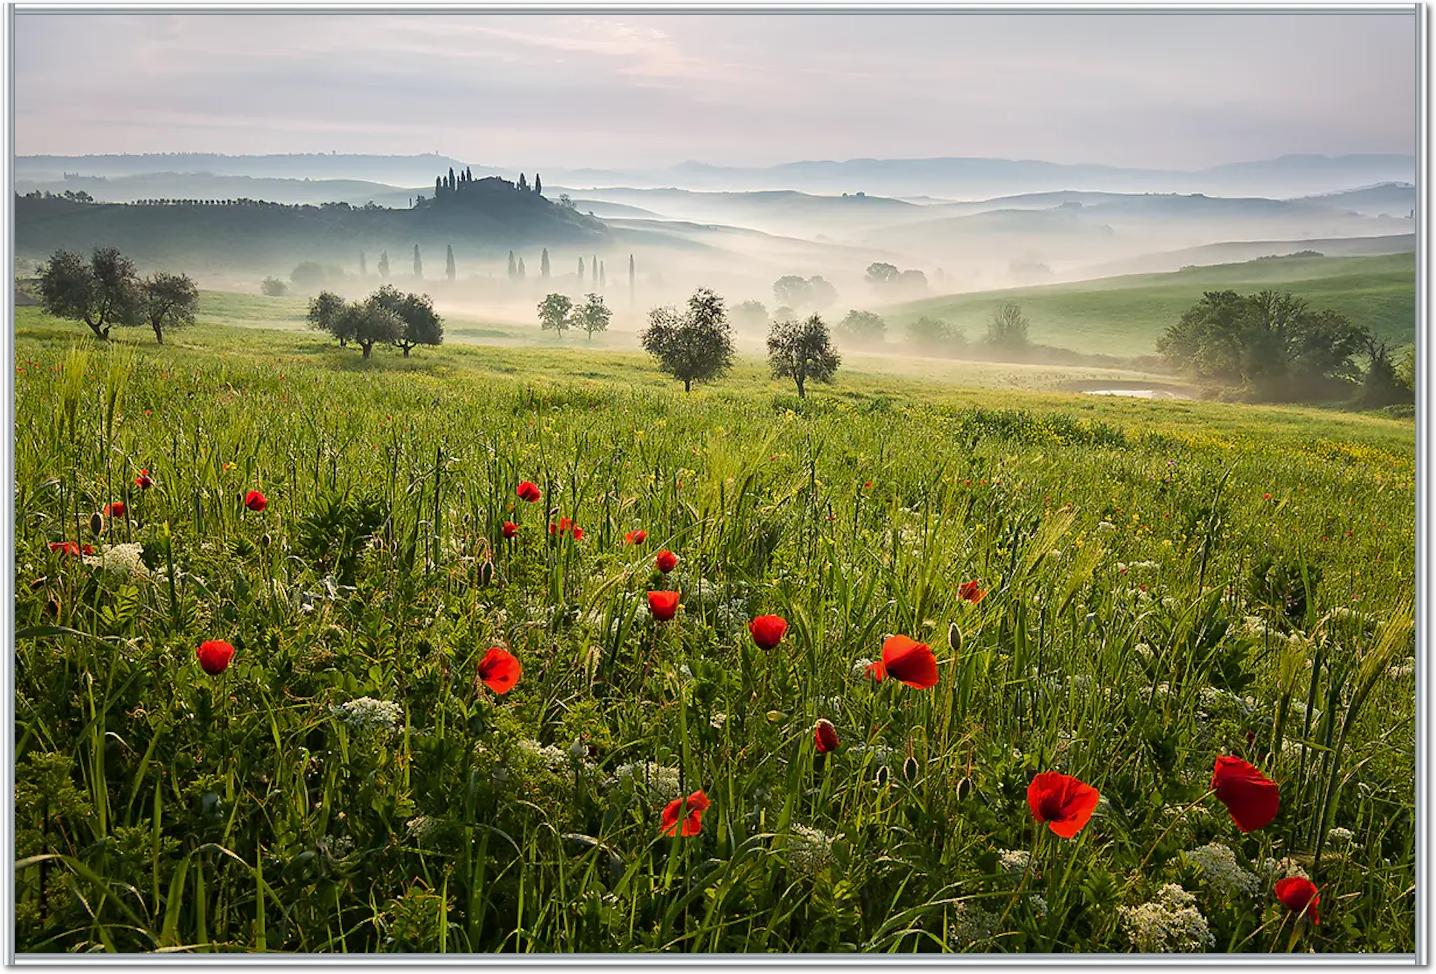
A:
x: 1168, y: 924
x: 1219, y: 869
x: 1038, y: 904
x: 809, y: 850
x: 1014, y: 862
x: 1274, y: 869
x: 367, y: 713
x: 1106, y: 527
x: 551, y: 755
x: 860, y: 667
x: 120, y: 559
x: 646, y: 776
x: 970, y: 926
x: 1341, y: 836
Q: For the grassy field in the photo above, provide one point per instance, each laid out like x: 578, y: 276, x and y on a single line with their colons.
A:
x: 1164, y: 583
x: 1125, y: 315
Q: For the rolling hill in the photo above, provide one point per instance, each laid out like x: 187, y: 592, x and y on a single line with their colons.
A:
x: 1124, y: 315
x: 200, y: 237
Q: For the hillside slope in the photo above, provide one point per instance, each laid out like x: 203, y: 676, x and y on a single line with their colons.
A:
x: 1124, y: 315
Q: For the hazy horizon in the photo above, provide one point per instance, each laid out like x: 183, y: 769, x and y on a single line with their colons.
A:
x: 575, y: 91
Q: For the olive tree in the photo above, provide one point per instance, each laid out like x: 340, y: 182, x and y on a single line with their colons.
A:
x: 168, y: 301
x: 326, y: 312
x: 802, y: 351
x: 102, y: 292
x: 422, y: 325
x: 593, y: 315
x: 553, y: 312
x: 695, y: 345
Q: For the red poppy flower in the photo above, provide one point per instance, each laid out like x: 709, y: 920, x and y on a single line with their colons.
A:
x: 1297, y: 893
x: 690, y: 810
x: 71, y: 548
x: 115, y: 509
x: 1252, y: 798
x: 663, y: 605
x: 143, y: 481
x: 825, y: 736
x: 969, y: 592
x: 1266, y: 496
x: 214, y: 656
x: 255, y: 501
x: 635, y: 537
x: 499, y: 670
x: 565, y: 525
x: 666, y: 561
x: 1065, y: 803
x: 906, y: 661
x: 768, y: 631
x: 510, y: 529
x: 528, y: 491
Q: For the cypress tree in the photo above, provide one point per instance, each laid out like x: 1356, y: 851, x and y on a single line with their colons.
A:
x: 631, y: 278
x: 452, y: 183
x: 521, y: 268
x: 538, y: 185
x: 449, y: 270
x: 580, y: 272
x: 513, y: 268
x: 363, y: 266
x: 543, y: 264
x: 383, y: 265
x: 523, y: 183
x: 468, y: 174
x: 593, y: 269
x: 602, y: 274
x: 418, y: 264
x: 438, y: 186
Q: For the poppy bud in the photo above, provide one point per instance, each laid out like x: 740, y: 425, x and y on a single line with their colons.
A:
x: 881, y: 778
x: 910, y: 768
x: 954, y: 638
x: 964, y: 788
x: 265, y: 540
x: 97, y: 524
x: 52, y: 606
x: 39, y: 583
x: 486, y: 572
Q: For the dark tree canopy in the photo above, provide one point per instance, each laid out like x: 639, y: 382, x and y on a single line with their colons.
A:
x: 326, y: 312
x: 593, y: 315
x: 1272, y: 345
x: 1007, y: 329
x: 881, y: 273
x: 802, y: 351
x: 368, y: 323
x: 695, y: 345
x: 554, y: 313
x: 750, y: 316
x: 309, y: 276
x: 862, y: 328
x: 169, y: 301
x: 935, y: 336
x: 544, y: 267
x: 793, y: 291
x: 102, y: 292
x: 273, y: 287
x: 421, y: 325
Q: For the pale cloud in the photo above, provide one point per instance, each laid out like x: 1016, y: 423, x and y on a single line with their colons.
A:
x: 583, y: 89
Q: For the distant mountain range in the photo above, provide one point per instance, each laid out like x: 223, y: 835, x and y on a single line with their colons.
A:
x: 952, y: 177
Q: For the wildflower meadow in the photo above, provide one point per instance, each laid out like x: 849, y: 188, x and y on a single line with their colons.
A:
x: 505, y: 650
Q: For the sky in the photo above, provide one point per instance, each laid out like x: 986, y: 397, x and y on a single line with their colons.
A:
x: 646, y: 91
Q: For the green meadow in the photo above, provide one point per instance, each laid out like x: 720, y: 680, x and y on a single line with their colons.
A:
x: 1125, y: 315
x: 1162, y: 583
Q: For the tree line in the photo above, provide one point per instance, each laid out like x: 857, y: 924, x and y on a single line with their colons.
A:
x: 386, y: 317
x: 105, y: 291
x: 1275, y: 346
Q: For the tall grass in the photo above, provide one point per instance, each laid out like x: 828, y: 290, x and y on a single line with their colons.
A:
x: 1148, y: 608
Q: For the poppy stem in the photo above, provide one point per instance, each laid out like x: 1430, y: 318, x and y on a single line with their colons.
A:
x: 1173, y: 824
